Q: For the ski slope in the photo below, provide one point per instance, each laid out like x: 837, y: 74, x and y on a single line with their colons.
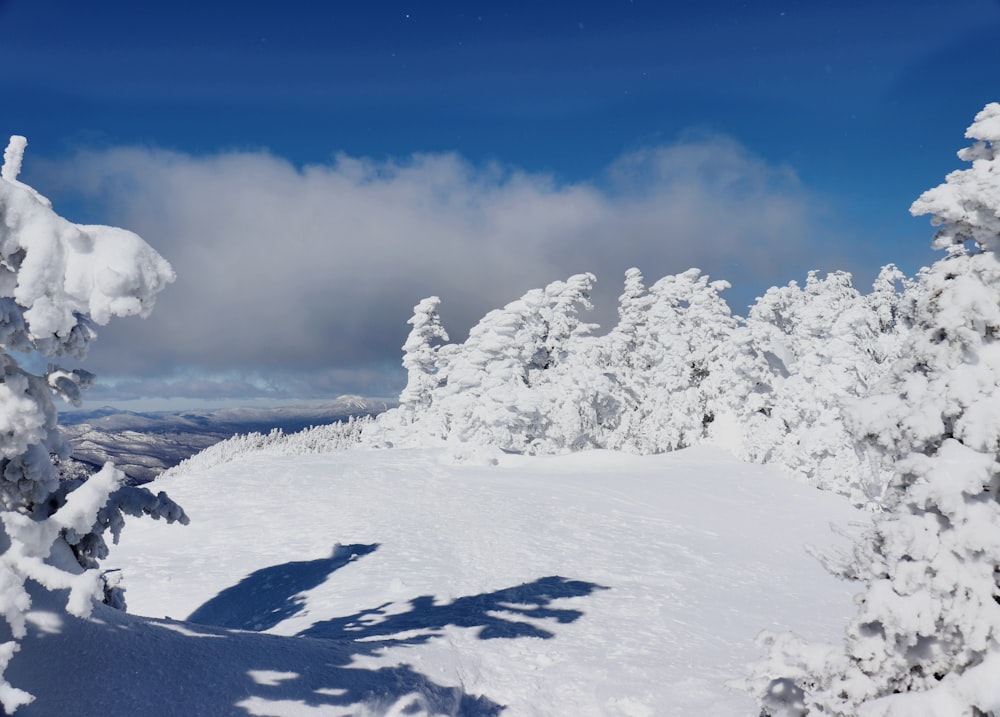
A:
x: 449, y: 581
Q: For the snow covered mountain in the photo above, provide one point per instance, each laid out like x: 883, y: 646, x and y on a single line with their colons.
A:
x: 143, y: 445
x: 447, y: 581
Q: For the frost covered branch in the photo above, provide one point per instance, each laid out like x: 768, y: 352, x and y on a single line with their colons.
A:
x: 58, y: 281
x: 12, y: 157
x: 926, y: 639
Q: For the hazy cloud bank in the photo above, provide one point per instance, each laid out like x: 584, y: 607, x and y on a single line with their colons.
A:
x: 299, y: 282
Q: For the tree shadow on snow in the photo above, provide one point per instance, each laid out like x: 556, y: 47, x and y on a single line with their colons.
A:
x: 495, y: 614
x: 313, y: 667
x: 120, y: 664
x: 273, y: 594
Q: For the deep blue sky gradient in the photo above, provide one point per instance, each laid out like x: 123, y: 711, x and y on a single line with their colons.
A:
x: 860, y: 97
x: 865, y: 101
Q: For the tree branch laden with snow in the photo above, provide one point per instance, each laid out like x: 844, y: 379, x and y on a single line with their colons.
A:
x: 58, y: 282
x: 926, y: 639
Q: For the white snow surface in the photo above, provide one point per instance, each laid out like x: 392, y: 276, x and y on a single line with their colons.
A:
x: 436, y: 581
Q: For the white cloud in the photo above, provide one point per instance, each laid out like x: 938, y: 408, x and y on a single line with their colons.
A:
x: 304, y: 278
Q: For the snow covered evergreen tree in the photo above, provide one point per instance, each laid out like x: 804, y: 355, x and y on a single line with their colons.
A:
x: 58, y: 280
x: 577, y: 393
x: 420, y: 355
x: 826, y: 344
x: 674, y: 353
x: 926, y: 639
x: 630, y: 356
x: 891, y: 309
x: 497, y: 387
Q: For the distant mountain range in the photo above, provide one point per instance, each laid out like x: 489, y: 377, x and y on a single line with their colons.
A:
x: 145, y: 444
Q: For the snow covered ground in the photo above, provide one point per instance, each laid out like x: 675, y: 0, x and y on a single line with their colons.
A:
x: 428, y: 582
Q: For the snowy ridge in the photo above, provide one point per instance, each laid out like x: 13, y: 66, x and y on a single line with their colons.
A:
x: 143, y: 445
x: 319, y: 439
x: 246, y: 419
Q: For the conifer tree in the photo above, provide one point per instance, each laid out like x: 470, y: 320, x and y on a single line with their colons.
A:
x: 420, y: 355
x: 825, y: 347
x: 926, y: 639
x: 58, y: 282
x: 674, y: 356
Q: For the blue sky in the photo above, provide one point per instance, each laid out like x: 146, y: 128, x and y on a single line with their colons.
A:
x: 313, y: 169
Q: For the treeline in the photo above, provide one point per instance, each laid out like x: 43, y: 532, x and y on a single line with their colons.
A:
x: 678, y: 369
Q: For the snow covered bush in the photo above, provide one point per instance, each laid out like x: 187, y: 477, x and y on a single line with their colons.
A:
x: 317, y: 439
x: 507, y: 384
x: 926, y: 639
x: 826, y: 345
x: 676, y: 355
x: 58, y: 280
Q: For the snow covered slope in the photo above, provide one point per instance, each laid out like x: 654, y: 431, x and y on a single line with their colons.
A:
x: 426, y: 582
x: 143, y: 445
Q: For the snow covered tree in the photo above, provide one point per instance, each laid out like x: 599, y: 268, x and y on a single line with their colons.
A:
x: 58, y: 281
x: 891, y: 308
x: 420, y: 355
x: 826, y: 345
x: 577, y: 395
x: 501, y: 386
x: 674, y: 354
x: 926, y: 639
x: 630, y: 356
x: 487, y: 397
